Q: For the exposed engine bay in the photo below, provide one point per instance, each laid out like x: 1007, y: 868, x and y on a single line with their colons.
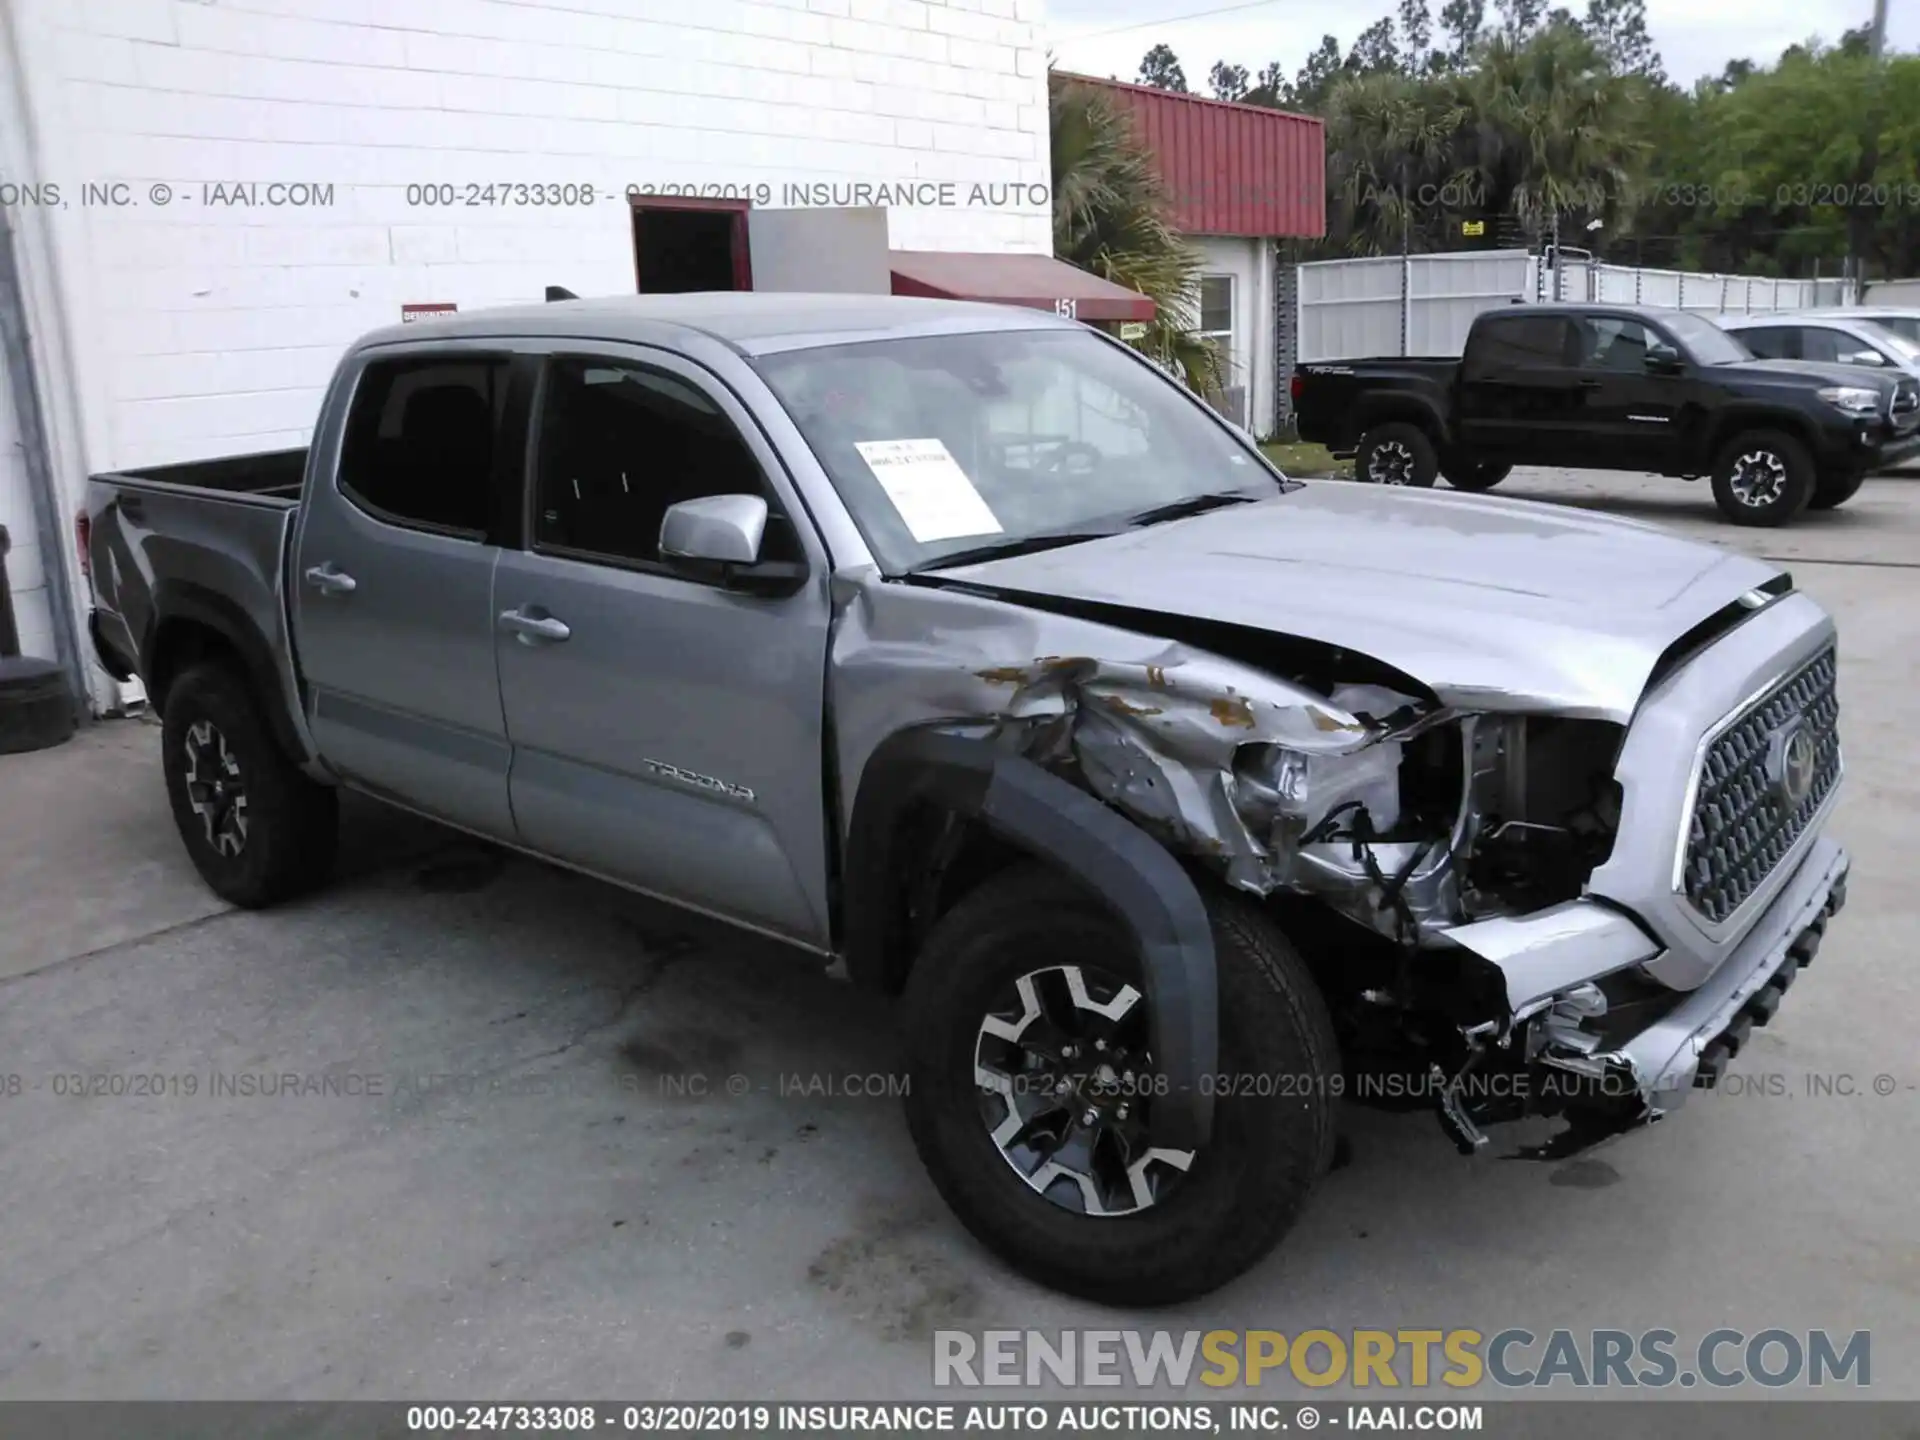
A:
x: 1430, y: 848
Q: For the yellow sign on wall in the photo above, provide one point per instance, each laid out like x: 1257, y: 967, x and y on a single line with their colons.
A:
x: 1473, y: 227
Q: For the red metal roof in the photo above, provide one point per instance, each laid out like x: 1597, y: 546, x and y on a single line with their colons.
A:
x: 1038, y: 281
x: 1231, y: 169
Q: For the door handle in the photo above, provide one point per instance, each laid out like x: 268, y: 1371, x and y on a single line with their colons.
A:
x: 329, y: 581
x: 533, y: 629
x: 1590, y: 383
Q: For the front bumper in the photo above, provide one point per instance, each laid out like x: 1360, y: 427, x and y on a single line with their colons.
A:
x: 1894, y: 450
x: 1557, y: 966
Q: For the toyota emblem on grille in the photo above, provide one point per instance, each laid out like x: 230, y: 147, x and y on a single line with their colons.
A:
x: 1791, y: 756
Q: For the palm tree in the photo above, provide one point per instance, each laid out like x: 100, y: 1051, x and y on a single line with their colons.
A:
x: 1390, y: 142
x: 1555, y: 131
x: 1111, y: 217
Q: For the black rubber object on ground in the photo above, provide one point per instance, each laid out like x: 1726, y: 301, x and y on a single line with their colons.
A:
x: 36, y: 708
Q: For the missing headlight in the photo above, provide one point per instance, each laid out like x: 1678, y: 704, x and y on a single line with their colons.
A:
x: 1546, y: 808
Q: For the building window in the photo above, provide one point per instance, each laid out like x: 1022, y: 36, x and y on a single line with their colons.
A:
x: 1216, y: 312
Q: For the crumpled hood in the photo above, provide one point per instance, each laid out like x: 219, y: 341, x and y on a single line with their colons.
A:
x: 1493, y: 604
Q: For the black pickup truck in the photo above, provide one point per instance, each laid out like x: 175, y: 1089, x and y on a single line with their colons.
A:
x: 1615, y: 388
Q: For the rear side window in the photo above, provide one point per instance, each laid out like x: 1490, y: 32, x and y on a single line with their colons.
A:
x: 1819, y: 343
x: 1773, y: 343
x: 1523, y: 342
x: 420, y: 441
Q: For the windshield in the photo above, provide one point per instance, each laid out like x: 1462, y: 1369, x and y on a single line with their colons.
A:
x: 1896, y: 335
x: 1705, y: 341
x: 951, y: 446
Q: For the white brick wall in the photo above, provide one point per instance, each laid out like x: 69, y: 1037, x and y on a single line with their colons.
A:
x: 200, y: 329
x: 26, y: 568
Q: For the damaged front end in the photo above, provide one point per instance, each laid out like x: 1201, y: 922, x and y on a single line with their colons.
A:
x: 1385, y: 822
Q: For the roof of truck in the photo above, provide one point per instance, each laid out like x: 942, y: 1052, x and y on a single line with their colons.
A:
x: 753, y: 322
x: 1524, y: 310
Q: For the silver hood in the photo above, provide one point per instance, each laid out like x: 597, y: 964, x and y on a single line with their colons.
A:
x: 1493, y: 604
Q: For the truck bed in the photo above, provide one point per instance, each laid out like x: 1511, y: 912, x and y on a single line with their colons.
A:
x: 267, y: 475
x: 206, y: 539
x: 1326, y: 394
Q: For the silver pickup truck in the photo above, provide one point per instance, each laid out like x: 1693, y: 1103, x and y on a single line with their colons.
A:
x: 958, y: 648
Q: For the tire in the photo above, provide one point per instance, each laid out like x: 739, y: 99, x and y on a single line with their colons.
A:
x: 1396, y: 453
x: 1763, y: 478
x: 1273, y: 1136
x: 1831, y: 494
x: 1475, y: 476
x: 266, y: 832
x: 36, y: 708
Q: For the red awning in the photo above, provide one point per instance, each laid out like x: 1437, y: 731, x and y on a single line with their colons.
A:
x: 1037, y: 281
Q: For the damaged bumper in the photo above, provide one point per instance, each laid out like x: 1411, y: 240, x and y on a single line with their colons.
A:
x: 1639, y: 1060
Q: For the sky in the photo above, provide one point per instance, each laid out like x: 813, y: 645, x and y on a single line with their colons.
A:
x: 1694, y: 37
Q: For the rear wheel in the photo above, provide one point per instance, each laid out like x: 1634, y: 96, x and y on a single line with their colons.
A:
x: 257, y: 829
x: 1033, y: 1085
x: 1396, y: 453
x: 1831, y: 492
x: 1469, y: 475
x: 1763, y: 478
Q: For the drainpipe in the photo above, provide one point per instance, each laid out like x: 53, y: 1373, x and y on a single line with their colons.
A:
x: 16, y: 358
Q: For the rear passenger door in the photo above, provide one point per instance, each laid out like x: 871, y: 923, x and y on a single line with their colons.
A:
x: 667, y: 732
x: 393, y: 584
x: 1519, y: 390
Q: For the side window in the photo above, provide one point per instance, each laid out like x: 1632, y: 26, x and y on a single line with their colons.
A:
x: 419, y: 444
x: 1522, y: 342
x: 1614, y: 344
x: 619, y: 445
x: 1775, y: 342
x: 1818, y: 343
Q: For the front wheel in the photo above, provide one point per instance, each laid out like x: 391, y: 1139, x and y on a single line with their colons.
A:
x: 256, y: 828
x: 1763, y: 478
x: 1396, y: 454
x: 1830, y: 493
x: 1033, y: 1083
x: 1469, y: 475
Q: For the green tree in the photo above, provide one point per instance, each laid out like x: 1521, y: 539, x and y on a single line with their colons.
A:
x: 1619, y: 28
x: 1324, y: 68
x: 1554, y: 130
x: 1520, y: 18
x: 1416, y: 35
x: 1111, y: 216
x: 1824, y: 151
x: 1228, y: 82
x: 1390, y: 143
x: 1375, y: 51
x: 1464, y: 22
x: 1160, y: 67
x: 1269, y: 87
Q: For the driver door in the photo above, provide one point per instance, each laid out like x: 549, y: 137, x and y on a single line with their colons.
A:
x: 667, y: 732
x: 1629, y: 413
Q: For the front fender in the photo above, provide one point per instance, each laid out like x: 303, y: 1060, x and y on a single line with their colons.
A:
x: 1048, y: 817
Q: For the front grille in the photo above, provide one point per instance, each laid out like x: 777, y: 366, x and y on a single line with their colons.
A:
x: 1743, y: 826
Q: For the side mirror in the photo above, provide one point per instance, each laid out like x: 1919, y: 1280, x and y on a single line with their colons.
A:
x: 725, y: 529
x: 717, y: 538
x: 1662, y: 360
x: 1864, y: 357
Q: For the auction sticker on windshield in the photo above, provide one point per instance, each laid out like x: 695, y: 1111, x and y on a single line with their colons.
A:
x: 935, y: 498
